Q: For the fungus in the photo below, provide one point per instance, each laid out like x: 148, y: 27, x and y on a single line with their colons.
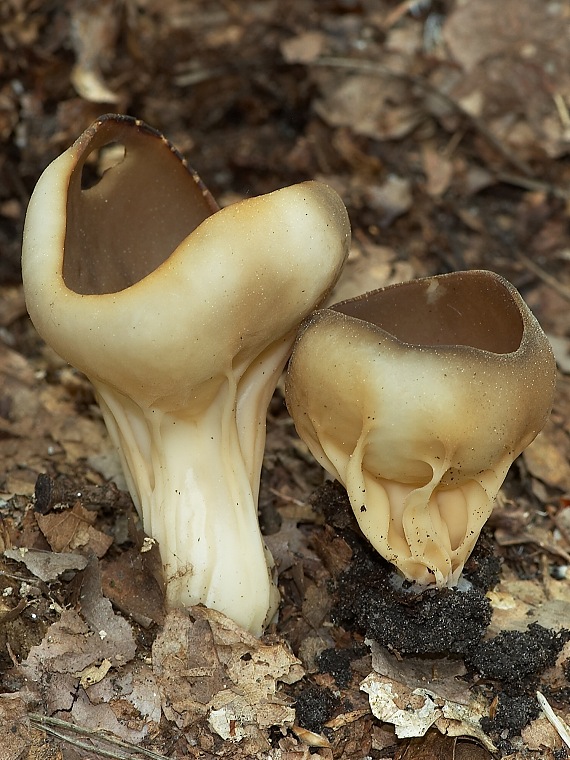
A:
x: 417, y: 398
x: 182, y: 316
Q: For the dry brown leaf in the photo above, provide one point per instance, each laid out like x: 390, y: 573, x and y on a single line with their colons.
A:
x: 76, y: 642
x: 414, y: 711
x: 369, y: 267
x: 207, y: 666
x: 433, y: 746
x: 540, y: 735
x: 518, y: 603
x: 66, y: 649
x: 94, y: 28
x: 187, y: 668
x: 371, y: 105
x: 16, y: 734
x: 442, y: 676
x: 303, y: 48
x: 465, y: 750
x: 102, y: 717
x: 129, y: 584
x: 519, y: 83
x: 73, y: 529
x: 548, y: 457
x: 390, y: 199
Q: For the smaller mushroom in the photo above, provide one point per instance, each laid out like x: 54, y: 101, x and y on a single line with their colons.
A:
x: 417, y: 398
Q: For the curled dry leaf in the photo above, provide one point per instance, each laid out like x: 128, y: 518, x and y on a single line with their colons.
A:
x: 208, y: 667
x: 413, y: 712
x: 303, y: 48
x: 75, y: 642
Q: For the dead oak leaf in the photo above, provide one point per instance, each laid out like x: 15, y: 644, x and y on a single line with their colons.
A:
x: 414, y: 711
x: 68, y: 647
x: 206, y: 665
x: 72, y: 529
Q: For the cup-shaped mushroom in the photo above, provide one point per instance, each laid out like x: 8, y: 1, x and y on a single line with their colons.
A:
x: 417, y: 398
x: 182, y: 315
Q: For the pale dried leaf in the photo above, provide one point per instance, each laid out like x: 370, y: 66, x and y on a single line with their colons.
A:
x: 304, y: 48
x: 412, y: 712
x: 441, y: 676
x: 206, y: 665
x: 547, y: 458
x: 371, y: 105
x: 438, y: 170
x: 47, y: 566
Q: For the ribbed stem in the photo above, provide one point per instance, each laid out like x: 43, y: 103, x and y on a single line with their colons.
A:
x: 191, y: 485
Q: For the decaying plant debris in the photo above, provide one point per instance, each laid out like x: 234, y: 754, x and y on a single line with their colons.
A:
x: 445, y: 127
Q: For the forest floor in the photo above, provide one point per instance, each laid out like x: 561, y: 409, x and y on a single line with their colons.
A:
x: 445, y: 127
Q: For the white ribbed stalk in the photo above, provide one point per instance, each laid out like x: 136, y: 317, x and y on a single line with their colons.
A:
x: 190, y: 479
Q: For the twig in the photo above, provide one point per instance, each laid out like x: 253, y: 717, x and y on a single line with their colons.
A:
x: 288, y: 499
x: 360, y: 64
x: 50, y: 725
x: 534, y: 185
x: 189, y: 78
x: 558, y: 723
x: 85, y: 745
x: 562, y: 109
x: 544, y: 276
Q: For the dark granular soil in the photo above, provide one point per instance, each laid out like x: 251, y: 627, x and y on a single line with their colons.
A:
x: 516, y: 658
x: 337, y: 662
x: 367, y: 599
x: 511, y: 716
x: 439, y: 621
x: 314, y: 706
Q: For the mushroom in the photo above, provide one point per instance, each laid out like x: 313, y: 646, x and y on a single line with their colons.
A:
x: 182, y: 316
x: 418, y: 397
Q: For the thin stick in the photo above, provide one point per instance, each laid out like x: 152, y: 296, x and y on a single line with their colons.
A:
x: 51, y: 724
x: 536, y: 185
x: 544, y: 276
x: 558, y: 723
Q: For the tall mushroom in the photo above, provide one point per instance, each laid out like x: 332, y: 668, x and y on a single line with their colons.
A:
x: 182, y: 316
x: 418, y: 397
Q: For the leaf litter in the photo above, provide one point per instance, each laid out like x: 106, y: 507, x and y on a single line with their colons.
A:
x: 444, y: 125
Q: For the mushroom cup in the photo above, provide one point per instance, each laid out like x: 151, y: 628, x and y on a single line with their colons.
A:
x: 418, y: 397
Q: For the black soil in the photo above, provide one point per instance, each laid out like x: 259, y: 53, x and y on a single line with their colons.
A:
x: 314, y: 706
x: 437, y: 622
x: 517, y: 658
x: 511, y: 716
x: 369, y: 600
x: 337, y: 662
